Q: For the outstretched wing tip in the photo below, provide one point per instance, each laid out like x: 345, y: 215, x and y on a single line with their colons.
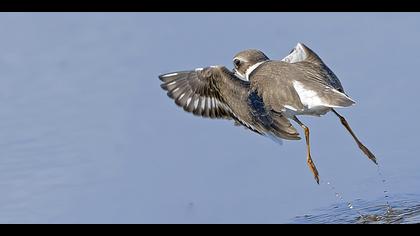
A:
x: 162, y: 77
x: 164, y: 87
x: 167, y: 76
x: 194, y: 91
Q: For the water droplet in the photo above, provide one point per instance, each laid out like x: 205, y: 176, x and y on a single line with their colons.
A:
x: 340, y: 197
x: 385, y: 191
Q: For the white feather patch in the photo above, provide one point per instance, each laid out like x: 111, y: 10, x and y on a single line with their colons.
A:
x: 290, y: 107
x: 181, y: 96
x: 188, y: 101
x: 298, y: 54
x: 309, y: 98
x: 251, y: 69
x: 203, y: 104
x: 168, y: 75
x: 208, y: 103
x: 196, y: 104
x: 240, y: 75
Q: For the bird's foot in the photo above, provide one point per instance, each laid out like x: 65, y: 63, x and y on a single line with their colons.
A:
x: 368, y: 153
x: 313, y: 169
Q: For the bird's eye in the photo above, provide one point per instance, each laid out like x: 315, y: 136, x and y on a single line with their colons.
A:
x: 236, y: 62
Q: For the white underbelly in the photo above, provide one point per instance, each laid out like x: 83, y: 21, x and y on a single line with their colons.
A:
x: 312, y: 103
x: 311, y: 111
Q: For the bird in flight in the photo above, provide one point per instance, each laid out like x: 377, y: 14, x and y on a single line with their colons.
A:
x: 264, y: 95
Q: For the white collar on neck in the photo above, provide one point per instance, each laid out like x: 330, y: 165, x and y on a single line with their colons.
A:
x: 251, y: 69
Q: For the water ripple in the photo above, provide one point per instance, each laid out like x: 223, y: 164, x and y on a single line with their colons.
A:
x: 405, y: 210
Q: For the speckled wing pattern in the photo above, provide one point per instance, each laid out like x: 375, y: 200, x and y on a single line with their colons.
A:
x: 196, y: 91
x: 215, y: 92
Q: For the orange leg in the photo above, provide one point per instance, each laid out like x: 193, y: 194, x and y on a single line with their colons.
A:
x: 309, y: 160
x: 362, y: 147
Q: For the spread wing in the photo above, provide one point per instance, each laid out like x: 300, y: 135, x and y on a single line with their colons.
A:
x: 301, y: 54
x: 197, y: 92
x: 216, y: 92
x: 213, y: 92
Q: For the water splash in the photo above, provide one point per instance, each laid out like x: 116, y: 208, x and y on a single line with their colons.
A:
x: 406, y: 210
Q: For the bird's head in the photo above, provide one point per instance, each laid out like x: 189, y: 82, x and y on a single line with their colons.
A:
x: 244, y: 61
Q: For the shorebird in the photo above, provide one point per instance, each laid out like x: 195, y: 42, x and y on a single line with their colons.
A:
x: 264, y: 95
